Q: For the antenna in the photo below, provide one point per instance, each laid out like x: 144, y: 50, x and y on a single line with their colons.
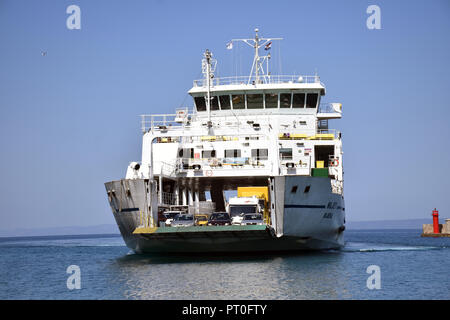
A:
x: 258, y: 61
x: 208, y: 67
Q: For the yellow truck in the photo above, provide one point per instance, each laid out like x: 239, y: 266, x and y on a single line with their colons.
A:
x: 262, y: 193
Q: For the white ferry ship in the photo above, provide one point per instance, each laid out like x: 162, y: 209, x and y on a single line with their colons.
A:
x: 260, y: 136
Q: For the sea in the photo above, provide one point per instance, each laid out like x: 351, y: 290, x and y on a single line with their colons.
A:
x: 374, y: 264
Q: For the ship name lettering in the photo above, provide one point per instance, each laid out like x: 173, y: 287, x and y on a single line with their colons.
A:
x: 327, y: 215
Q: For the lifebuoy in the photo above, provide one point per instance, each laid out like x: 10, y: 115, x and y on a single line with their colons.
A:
x: 335, y: 162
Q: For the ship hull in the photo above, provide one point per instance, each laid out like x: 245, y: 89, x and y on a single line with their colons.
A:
x: 142, y: 244
x: 312, y: 220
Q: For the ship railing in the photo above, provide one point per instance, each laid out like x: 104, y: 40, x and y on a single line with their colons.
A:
x: 227, y: 163
x: 317, y: 134
x: 217, y: 138
x: 326, y: 134
x: 166, y: 198
x: 243, y: 137
x: 262, y: 79
x: 181, y: 119
x: 167, y: 169
x: 327, y: 108
x: 169, y: 122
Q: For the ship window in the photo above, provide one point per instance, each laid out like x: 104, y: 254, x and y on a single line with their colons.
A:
x: 307, y: 189
x: 294, y: 189
x: 285, y: 100
x: 298, y: 100
x: 233, y: 153
x: 311, y: 100
x: 286, y: 153
x: 207, y: 154
x: 186, y: 153
x: 254, y: 101
x: 238, y: 101
x: 271, y: 100
x: 225, y: 102
x: 214, y: 103
x: 260, y: 154
x: 200, y: 103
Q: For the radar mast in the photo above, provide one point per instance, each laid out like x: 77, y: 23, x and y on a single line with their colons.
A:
x: 257, y: 67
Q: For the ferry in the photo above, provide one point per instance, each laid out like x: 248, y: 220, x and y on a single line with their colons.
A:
x: 260, y: 136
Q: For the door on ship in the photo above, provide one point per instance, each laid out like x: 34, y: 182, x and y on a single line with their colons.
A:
x: 323, y: 155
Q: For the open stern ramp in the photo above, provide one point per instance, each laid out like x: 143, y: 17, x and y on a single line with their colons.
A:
x: 238, y: 231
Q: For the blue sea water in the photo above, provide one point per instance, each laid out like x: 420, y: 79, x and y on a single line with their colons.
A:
x: 411, y: 267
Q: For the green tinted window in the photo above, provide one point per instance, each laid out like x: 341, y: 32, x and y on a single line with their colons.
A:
x: 254, y: 101
x: 214, y: 103
x: 200, y: 103
x: 238, y: 101
x: 271, y: 100
x: 298, y: 100
x: 285, y: 100
x: 225, y: 102
x: 311, y: 100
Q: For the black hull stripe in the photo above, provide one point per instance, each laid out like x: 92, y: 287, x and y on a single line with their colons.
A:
x: 309, y: 206
x: 129, y: 209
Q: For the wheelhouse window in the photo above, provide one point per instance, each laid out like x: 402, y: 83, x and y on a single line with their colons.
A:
x: 260, y: 154
x: 225, y: 102
x: 298, y: 100
x: 254, y: 101
x: 214, y: 103
x: 285, y: 100
x: 233, y: 153
x: 311, y: 100
x: 208, y: 154
x: 286, y: 153
x: 200, y: 103
x: 271, y: 100
x: 238, y: 101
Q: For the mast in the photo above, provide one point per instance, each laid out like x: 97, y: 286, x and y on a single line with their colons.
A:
x: 257, y: 66
x: 256, y: 59
x: 208, y: 82
x: 208, y: 67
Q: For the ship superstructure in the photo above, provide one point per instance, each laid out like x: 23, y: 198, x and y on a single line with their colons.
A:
x: 263, y: 131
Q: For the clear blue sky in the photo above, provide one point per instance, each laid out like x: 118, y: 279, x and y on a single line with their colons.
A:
x: 69, y: 119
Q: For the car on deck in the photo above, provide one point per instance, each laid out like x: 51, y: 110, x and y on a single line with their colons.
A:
x: 183, y: 220
x: 219, y: 219
x: 252, y: 219
x: 201, y: 219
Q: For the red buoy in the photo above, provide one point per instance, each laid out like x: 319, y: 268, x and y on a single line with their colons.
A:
x: 435, y: 221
